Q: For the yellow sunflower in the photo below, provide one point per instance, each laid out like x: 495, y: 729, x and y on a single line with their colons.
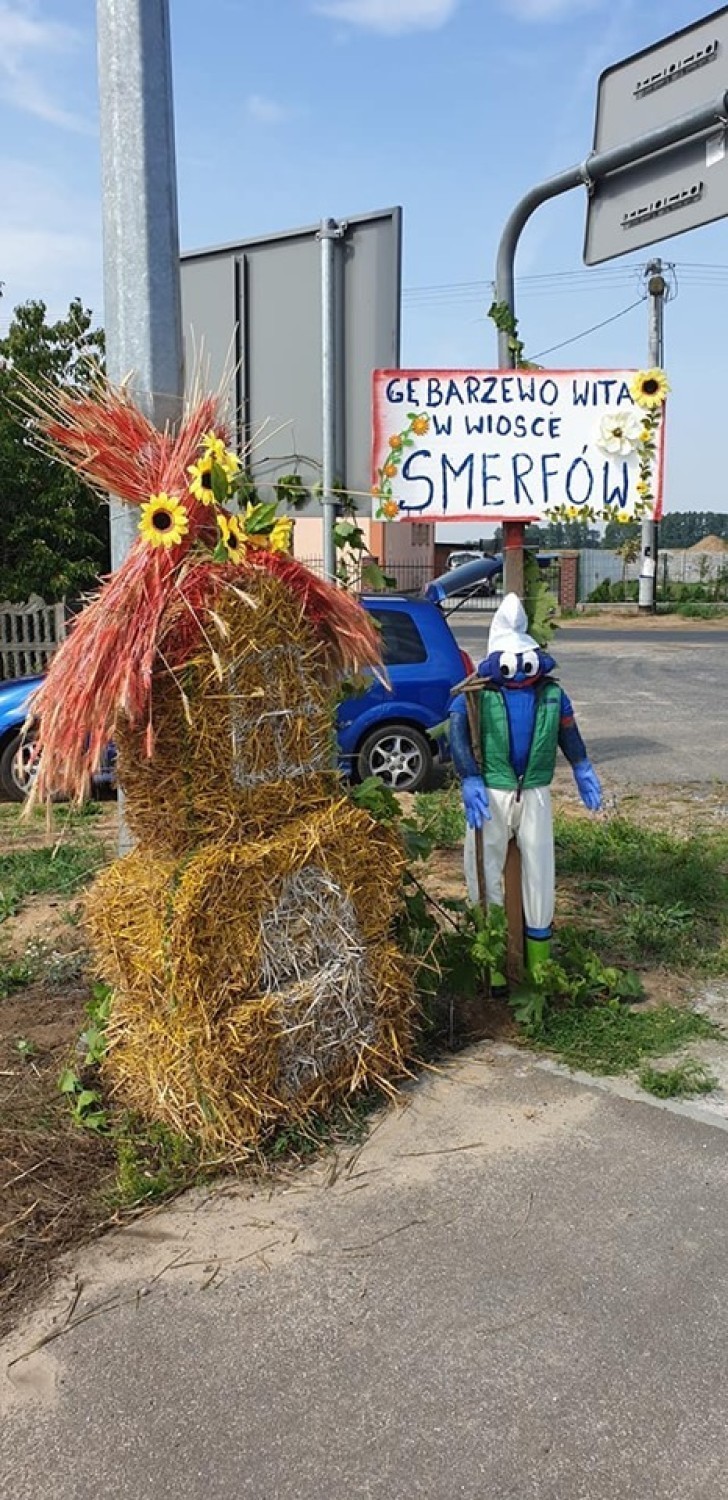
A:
x: 214, y: 449
x: 649, y: 388
x: 279, y: 539
x: 201, y: 480
x: 164, y: 521
x: 233, y: 536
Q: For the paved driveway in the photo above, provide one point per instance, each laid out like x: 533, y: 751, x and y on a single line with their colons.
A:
x: 518, y: 1288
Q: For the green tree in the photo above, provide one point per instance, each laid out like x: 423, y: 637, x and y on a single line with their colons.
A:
x: 54, y: 532
x: 629, y: 551
x: 619, y: 532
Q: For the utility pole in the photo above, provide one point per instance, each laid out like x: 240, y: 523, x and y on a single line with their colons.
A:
x: 328, y: 234
x: 142, y: 299
x: 657, y: 292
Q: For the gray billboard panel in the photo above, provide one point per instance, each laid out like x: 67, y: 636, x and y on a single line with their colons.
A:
x: 254, y: 310
x: 682, y: 187
x: 655, y: 86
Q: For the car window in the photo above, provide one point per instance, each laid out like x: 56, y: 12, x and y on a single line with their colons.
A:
x: 402, y: 643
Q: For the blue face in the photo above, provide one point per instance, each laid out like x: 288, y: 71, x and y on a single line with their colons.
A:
x: 510, y: 669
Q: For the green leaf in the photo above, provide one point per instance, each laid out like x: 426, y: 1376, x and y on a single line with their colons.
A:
x: 69, y: 1081
x: 372, y: 577
x: 219, y: 482
x: 86, y: 1099
x: 262, y: 517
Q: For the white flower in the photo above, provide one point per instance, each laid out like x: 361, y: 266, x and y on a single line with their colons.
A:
x: 619, y: 432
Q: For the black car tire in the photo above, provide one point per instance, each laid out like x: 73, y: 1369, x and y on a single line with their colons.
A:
x: 10, y: 785
x: 399, y: 755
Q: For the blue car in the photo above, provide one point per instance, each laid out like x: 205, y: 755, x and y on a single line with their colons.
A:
x: 381, y: 732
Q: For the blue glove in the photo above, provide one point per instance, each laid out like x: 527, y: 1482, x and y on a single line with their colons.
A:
x: 475, y: 801
x: 590, y: 787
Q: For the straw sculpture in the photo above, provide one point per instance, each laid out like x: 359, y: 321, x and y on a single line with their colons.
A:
x: 247, y: 936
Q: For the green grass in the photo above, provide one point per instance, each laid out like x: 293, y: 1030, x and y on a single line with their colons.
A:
x: 613, y: 1039
x: 440, y: 816
x: 659, y: 899
x: 60, y: 870
x: 686, y: 1079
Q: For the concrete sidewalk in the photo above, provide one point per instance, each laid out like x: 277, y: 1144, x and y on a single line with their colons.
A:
x: 516, y: 1288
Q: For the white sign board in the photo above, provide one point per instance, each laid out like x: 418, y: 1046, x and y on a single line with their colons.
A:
x: 512, y: 445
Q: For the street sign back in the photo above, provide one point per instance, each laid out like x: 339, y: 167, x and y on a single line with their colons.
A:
x: 680, y: 188
x: 656, y: 85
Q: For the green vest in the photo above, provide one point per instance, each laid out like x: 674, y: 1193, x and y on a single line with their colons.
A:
x: 495, y: 740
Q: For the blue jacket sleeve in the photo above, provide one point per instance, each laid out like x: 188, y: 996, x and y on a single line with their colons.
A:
x: 570, y: 740
x: 460, y: 743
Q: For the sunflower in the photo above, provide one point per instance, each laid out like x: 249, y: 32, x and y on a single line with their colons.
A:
x: 279, y: 539
x: 390, y: 509
x: 214, y: 448
x: 421, y: 425
x: 164, y: 521
x: 233, y: 536
x: 201, y: 480
x: 649, y: 388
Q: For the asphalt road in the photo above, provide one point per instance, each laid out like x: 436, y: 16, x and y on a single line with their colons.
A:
x: 516, y: 1289
x: 652, y: 705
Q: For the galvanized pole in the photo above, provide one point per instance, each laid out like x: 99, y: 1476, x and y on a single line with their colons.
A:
x: 328, y: 234
x: 142, y: 303
x: 142, y: 307
x: 657, y: 289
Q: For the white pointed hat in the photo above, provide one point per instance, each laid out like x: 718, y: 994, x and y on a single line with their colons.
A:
x: 508, y: 631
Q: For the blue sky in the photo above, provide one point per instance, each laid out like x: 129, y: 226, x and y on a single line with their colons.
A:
x: 287, y: 110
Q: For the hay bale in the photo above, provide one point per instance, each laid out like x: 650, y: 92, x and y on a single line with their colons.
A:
x: 254, y: 982
x: 243, y: 733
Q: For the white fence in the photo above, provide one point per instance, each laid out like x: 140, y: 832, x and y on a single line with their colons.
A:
x: 29, y: 634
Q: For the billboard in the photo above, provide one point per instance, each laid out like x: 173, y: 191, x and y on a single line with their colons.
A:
x: 517, y: 445
x: 252, y: 321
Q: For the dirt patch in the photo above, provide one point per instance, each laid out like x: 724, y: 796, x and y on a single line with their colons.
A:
x: 53, y: 1176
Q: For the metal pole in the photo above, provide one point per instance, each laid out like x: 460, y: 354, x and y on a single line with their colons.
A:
x: 329, y: 232
x: 142, y: 302
x: 657, y: 289
x: 142, y: 306
x: 696, y: 122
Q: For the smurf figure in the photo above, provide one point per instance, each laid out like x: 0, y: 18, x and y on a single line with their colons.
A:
x: 506, y: 768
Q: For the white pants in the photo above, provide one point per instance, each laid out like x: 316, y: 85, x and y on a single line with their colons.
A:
x: 529, y: 821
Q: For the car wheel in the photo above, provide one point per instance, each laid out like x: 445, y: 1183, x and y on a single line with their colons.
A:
x: 18, y: 768
x: 399, y: 755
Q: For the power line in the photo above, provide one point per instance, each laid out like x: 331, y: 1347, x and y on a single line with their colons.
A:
x: 586, y: 331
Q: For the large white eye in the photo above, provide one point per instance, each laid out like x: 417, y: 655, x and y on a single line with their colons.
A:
x: 530, y: 663
x: 508, y: 664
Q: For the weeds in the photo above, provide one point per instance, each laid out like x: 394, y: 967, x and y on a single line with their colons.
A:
x: 657, y: 898
x: 612, y: 1038
x: 38, y: 961
x: 152, y: 1161
x: 34, y: 872
x: 440, y: 816
x: 686, y: 1079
